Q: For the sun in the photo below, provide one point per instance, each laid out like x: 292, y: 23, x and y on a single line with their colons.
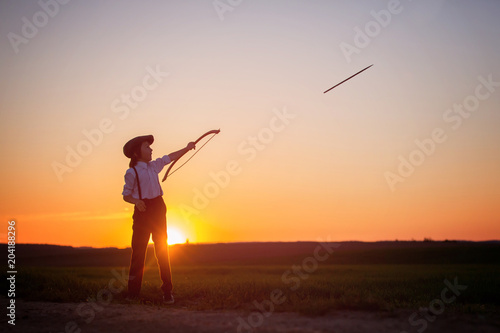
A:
x: 175, y: 236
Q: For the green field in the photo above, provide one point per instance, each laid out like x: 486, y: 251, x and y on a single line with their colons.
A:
x: 209, y: 287
x: 381, y: 276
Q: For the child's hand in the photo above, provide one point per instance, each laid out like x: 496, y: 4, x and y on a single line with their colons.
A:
x: 191, y: 145
x: 141, y: 206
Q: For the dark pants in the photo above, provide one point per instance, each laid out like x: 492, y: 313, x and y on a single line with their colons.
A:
x: 152, y: 221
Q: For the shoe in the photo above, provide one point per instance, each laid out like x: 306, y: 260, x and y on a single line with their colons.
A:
x: 168, y: 299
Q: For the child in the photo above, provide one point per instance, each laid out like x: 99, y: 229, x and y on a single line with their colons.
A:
x: 142, y: 188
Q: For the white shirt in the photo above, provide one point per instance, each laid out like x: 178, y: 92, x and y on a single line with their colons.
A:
x: 148, y: 178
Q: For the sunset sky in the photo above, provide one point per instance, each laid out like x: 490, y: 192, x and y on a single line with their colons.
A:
x: 408, y: 149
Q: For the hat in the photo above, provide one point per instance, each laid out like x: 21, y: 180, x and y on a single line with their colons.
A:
x: 132, y: 145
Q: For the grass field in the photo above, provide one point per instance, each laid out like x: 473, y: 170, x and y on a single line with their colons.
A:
x: 382, y: 276
x: 330, y: 287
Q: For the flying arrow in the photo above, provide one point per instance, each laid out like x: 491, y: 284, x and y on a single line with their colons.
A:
x: 350, y: 77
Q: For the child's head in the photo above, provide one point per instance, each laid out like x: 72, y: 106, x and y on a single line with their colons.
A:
x: 144, y: 152
x: 138, y: 149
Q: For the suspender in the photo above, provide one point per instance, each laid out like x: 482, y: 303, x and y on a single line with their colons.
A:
x: 138, y: 183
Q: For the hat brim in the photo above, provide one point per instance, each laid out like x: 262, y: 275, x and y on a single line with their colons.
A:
x: 132, y: 145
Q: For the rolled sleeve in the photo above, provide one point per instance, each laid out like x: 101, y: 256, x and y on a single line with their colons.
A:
x: 159, y: 163
x: 128, y: 188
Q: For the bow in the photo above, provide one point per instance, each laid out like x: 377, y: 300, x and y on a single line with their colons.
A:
x: 198, y: 140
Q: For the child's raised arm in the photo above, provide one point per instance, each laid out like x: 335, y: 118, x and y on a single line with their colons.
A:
x: 177, y: 154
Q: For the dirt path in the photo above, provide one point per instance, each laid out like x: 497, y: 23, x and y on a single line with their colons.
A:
x: 64, y: 317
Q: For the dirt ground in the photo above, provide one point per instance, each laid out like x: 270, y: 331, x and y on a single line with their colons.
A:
x: 75, y: 317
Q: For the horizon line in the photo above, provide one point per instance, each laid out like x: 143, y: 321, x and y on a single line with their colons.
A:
x: 425, y: 240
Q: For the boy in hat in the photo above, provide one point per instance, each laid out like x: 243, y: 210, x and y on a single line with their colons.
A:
x: 142, y: 188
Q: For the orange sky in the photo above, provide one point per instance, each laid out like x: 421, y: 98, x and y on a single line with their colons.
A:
x: 291, y: 163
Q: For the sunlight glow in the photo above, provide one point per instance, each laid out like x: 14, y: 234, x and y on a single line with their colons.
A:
x: 175, y: 236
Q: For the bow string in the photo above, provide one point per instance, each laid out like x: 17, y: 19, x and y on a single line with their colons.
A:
x: 213, y: 132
